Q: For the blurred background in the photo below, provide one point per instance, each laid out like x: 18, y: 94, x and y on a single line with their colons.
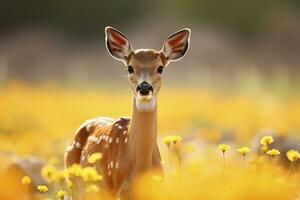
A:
x: 240, y: 76
x: 235, y: 44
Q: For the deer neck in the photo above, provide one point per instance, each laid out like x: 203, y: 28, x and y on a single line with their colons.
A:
x: 142, y: 137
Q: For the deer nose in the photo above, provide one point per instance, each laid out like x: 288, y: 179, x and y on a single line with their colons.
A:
x: 144, y: 88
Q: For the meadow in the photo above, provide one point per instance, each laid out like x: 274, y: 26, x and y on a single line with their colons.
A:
x: 40, y: 121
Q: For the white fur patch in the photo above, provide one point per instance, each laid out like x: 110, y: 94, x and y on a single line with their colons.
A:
x: 145, y: 106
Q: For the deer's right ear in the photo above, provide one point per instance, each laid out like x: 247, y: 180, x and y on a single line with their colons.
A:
x: 117, y: 44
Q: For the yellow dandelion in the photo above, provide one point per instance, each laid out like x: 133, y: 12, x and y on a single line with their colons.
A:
x: 61, y: 194
x: 60, y: 176
x: 90, y: 174
x: 224, y: 147
x: 167, y: 140
x: 48, y: 172
x: 94, y: 158
x: 157, y: 178
x: 273, y: 152
x: 74, y: 170
x: 293, y: 155
x: 266, y: 140
x: 244, y: 150
x: 176, y: 138
x: 26, y: 180
x: 42, y: 188
x: 92, y: 188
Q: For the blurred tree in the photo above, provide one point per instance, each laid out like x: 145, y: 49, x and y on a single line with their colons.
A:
x: 88, y: 17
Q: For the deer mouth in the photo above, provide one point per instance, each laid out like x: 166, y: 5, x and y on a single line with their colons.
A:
x: 145, y: 98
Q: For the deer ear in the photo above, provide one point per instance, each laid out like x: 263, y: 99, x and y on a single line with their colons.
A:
x: 176, y: 45
x: 117, y: 44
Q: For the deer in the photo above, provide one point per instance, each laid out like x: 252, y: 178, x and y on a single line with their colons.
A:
x: 129, y: 145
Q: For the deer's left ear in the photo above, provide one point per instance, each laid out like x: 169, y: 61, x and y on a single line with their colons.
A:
x: 117, y: 44
x: 176, y: 45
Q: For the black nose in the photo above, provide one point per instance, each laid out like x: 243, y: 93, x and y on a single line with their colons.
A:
x: 144, y: 88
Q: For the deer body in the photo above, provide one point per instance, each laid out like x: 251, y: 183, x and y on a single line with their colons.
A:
x: 128, y: 146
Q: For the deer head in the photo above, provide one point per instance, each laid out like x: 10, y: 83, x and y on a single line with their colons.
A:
x: 145, y: 66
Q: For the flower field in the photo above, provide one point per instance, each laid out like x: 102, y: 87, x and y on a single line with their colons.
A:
x: 212, y: 144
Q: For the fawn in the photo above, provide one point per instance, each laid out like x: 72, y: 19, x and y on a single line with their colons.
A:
x: 128, y: 146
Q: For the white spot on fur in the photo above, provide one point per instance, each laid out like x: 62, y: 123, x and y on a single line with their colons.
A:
x: 78, y: 145
x: 111, y: 164
x: 120, y: 127
x: 103, y: 121
x: 109, y: 173
x: 117, y: 140
x: 145, y: 106
x: 117, y: 165
x: 124, y: 132
x: 126, y: 140
x: 110, y: 140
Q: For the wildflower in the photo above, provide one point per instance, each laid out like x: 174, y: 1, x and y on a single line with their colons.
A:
x: 224, y: 147
x: 273, y: 152
x: 94, y: 158
x: 92, y: 188
x: 48, y: 172
x: 266, y: 140
x: 176, y: 138
x: 61, y: 194
x: 90, y: 174
x: 167, y: 140
x: 293, y: 155
x: 74, y: 170
x: 157, y: 178
x: 244, y: 150
x: 26, y: 180
x: 42, y: 188
x: 59, y: 176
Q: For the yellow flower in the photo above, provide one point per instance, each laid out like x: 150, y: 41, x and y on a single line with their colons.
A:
x: 176, y: 138
x: 266, y: 140
x: 273, y: 152
x: 42, y: 188
x: 92, y: 188
x: 48, y: 172
x: 157, y: 178
x: 60, y: 176
x: 90, y: 174
x: 74, y: 170
x: 293, y: 155
x: 224, y: 147
x: 61, y: 194
x: 244, y: 150
x: 167, y: 140
x: 94, y: 158
x: 26, y: 180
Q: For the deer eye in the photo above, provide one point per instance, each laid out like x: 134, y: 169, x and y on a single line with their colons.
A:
x: 160, y: 69
x: 130, y: 69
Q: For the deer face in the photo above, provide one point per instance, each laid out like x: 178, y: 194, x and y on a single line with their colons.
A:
x: 145, y: 66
